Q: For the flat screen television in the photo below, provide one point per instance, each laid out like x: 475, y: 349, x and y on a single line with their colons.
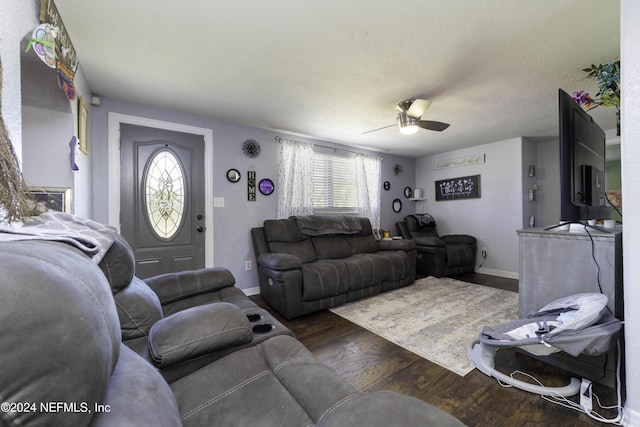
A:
x: 582, y: 164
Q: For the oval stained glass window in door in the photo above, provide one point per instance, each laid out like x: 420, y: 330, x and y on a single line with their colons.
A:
x: 164, y: 193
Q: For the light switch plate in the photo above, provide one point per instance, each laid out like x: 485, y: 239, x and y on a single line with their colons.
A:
x: 218, y: 202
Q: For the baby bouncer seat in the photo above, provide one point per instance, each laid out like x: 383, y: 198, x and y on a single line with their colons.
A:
x: 577, y: 324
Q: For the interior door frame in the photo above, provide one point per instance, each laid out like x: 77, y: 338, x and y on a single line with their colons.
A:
x: 115, y: 119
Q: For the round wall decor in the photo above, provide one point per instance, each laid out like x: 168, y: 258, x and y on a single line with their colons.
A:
x: 408, y: 192
x: 266, y: 186
x: 396, y: 205
x: 251, y: 148
x: 233, y: 175
x: 387, y: 185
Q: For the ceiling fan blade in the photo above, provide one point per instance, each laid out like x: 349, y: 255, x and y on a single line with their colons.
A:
x: 418, y: 108
x: 431, y: 125
x: 375, y: 130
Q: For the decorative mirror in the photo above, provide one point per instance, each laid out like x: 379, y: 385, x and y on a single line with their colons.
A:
x: 408, y: 192
x: 233, y: 175
x: 386, y: 185
x: 397, y: 205
x: 266, y: 186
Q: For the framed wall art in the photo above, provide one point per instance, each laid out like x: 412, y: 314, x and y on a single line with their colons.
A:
x: 51, y: 198
x: 465, y: 187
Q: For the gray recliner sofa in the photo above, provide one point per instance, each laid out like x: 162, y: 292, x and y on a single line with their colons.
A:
x: 307, y: 264
x: 438, y: 255
x: 84, y: 342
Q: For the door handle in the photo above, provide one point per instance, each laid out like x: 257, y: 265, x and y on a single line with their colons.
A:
x: 200, y: 229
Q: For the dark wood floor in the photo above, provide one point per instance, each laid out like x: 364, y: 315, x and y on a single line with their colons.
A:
x: 371, y: 363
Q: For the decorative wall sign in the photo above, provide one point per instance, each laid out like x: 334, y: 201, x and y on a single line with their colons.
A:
x: 49, y: 14
x: 466, y: 187
x: 66, y: 61
x: 464, y: 161
x: 251, y: 186
x: 266, y: 186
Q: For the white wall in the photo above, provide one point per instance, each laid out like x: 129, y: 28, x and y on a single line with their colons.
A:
x: 493, y: 218
x: 45, y: 137
x: 630, y: 151
x: 17, y: 19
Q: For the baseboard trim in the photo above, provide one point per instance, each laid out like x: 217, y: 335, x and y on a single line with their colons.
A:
x: 631, y: 417
x: 500, y: 273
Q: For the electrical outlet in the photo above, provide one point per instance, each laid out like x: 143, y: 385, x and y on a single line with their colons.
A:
x: 484, y: 252
x: 247, y: 264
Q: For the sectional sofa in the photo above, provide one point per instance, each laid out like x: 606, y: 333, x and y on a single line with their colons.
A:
x: 311, y: 263
x: 86, y: 343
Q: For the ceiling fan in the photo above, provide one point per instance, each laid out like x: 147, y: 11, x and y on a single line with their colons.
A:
x: 409, y: 114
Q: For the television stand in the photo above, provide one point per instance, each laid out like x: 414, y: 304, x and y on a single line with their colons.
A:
x: 580, y: 227
x: 559, y: 263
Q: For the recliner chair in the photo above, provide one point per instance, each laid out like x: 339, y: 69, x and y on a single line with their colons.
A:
x: 438, y: 255
x: 84, y: 345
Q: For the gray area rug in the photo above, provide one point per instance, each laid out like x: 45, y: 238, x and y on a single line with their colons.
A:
x: 434, y: 318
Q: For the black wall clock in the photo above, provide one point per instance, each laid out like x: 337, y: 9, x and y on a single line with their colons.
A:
x: 266, y: 186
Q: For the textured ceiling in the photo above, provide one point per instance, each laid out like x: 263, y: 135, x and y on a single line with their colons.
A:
x: 333, y: 69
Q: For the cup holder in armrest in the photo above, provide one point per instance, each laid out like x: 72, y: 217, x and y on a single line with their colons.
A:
x: 263, y: 328
x: 254, y: 317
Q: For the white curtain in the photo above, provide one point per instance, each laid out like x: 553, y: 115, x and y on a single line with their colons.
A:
x: 295, y: 179
x: 368, y: 182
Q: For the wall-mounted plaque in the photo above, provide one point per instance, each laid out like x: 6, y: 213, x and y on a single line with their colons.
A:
x: 465, y: 187
x: 251, y: 186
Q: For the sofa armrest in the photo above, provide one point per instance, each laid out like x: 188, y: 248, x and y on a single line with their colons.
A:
x: 403, y: 230
x: 172, y: 287
x: 459, y: 239
x: 396, y: 245
x: 429, y: 241
x: 279, y: 261
x: 197, y: 331
x: 386, y: 408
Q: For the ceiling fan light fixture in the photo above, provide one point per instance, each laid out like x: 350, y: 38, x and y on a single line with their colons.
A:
x: 408, y: 125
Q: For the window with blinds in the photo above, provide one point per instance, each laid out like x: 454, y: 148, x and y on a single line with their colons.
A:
x: 334, y: 183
